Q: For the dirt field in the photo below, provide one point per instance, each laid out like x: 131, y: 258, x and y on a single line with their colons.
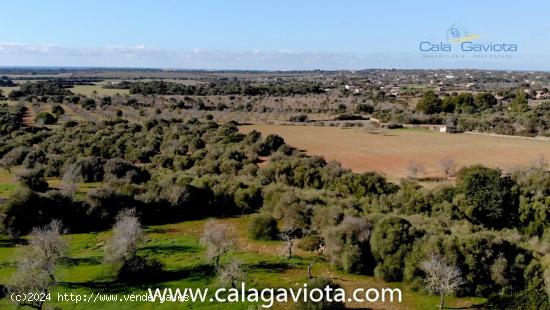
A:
x: 391, y: 153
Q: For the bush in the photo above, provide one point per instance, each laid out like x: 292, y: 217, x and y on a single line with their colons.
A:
x: 14, y: 157
x: 347, y: 245
x: 57, y: 110
x: 263, y: 227
x: 271, y: 144
x: 121, y: 169
x: 391, y: 240
x: 300, y: 118
x: 349, y: 117
x: 45, y: 118
x: 321, y: 284
x: 34, y: 158
x: 90, y: 169
x: 25, y: 209
x: 393, y: 125
x: 489, y: 198
x: 88, y: 104
x: 310, y: 243
x: 34, y: 179
x: 364, y: 108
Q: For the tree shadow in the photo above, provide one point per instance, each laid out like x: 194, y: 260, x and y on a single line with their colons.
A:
x: 12, y: 242
x: 273, y: 267
x: 475, y: 306
x: 156, y: 279
x: 431, y: 179
x: 170, y: 249
x: 71, y: 261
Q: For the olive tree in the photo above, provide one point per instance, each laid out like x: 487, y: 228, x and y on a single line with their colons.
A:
x: 447, y: 165
x: 415, y: 169
x: 219, y: 239
x: 37, y: 265
x: 441, y: 277
x: 122, y: 247
x: 69, y: 181
x: 231, y: 274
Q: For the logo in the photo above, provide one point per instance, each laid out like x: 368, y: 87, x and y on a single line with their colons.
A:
x: 459, y: 34
x: 459, y: 40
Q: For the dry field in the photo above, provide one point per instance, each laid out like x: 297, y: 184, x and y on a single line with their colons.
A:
x: 392, y: 152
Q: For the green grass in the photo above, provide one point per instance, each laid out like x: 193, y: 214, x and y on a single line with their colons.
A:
x: 88, y: 90
x: 178, y: 248
x: 7, y: 183
x: 7, y: 90
x: 7, y: 189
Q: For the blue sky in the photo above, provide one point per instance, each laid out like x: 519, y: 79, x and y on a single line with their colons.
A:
x: 273, y: 35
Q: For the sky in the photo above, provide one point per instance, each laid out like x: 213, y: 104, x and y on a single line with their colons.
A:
x: 270, y: 35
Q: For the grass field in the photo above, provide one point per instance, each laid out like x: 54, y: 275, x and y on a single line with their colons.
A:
x: 7, y: 183
x: 391, y: 153
x: 88, y: 90
x: 177, y: 246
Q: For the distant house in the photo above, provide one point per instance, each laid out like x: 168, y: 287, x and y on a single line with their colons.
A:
x: 396, y: 91
x: 448, y: 129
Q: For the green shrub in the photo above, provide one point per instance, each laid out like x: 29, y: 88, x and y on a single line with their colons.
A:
x: 34, y: 179
x: 347, y: 245
x: 300, y: 118
x: 364, y: 108
x: 320, y: 283
x: 45, y: 118
x: 57, y: 110
x: 263, y: 227
x: 391, y: 240
x: 310, y: 243
x: 88, y: 104
x: 489, y: 198
x: 271, y: 144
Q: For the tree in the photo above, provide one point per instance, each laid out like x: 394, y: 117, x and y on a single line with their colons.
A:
x: 519, y: 103
x: 271, y: 144
x: 347, y: 245
x: 69, y: 181
x: 447, y: 165
x: 391, y: 240
x: 219, y: 239
x: 121, y: 248
x: 341, y: 108
x: 489, y: 198
x: 289, y: 236
x: 37, y: 266
x: 441, y: 278
x: 231, y: 274
x: 33, y: 179
x: 465, y: 102
x: 415, y: 169
x: 294, y: 223
x: 485, y: 101
x: 430, y: 103
x: 88, y: 104
x: 14, y: 157
x: 364, y: 108
x: 57, y: 110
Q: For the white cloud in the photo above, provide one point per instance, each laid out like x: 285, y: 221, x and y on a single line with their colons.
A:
x: 20, y: 54
x: 27, y: 54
